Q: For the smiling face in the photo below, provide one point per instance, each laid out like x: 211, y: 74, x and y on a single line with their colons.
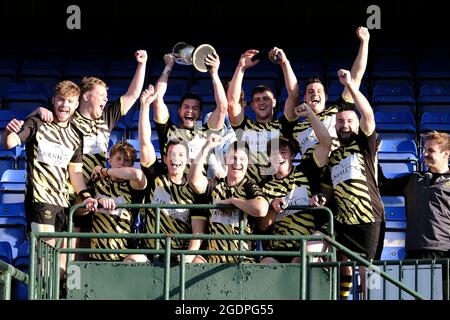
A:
x: 263, y: 104
x: 436, y: 156
x: 236, y: 161
x: 281, y: 160
x: 347, y: 124
x: 96, y: 100
x: 176, y: 159
x: 315, y: 96
x: 189, y: 111
x: 64, y: 107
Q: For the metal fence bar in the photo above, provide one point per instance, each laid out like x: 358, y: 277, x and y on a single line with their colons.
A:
x: 182, y: 276
x: 167, y: 269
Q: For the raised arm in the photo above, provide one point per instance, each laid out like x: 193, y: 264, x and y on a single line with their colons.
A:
x: 161, y: 113
x: 217, y: 118
x: 135, y: 88
x: 235, y: 110
x: 134, y: 175
x: 196, y: 178
x: 367, y: 121
x: 12, y: 136
x: 77, y: 180
x: 360, y: 63
x: 322, y: 151
x: 290, y: 81
x: 255, y: 207
x: 147, y: 151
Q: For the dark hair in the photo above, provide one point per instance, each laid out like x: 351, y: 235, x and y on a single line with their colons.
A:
x: 315, y: 80
x: 239, y: 144
x: 261, y: 89
x: 174, y: 142
x: 291, y: 143
x: 193, y: 96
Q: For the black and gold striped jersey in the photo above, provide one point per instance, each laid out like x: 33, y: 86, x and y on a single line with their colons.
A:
x: 304, y: 133
x: 257, y: 134
x: 119, y: 220
x: 195, y: 138
x: 352, y: 171
x: 295, y: 190
x: 96, y: 135
x: 161, y: 190
x: 227, y: 221
x: 50, y: 150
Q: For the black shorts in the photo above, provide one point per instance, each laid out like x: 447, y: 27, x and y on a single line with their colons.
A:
x: 44, y: 213
x: 360, y: 238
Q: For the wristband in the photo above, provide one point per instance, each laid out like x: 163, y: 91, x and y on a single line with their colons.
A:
x: 84, y: 194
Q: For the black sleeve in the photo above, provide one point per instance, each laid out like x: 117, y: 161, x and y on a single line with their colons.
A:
x: 112, y: 114
x: 394, y: 186
x: 151, y: 172
x: 252, y: 190
x: 340, y: 103
x: 286, y: 126
x: 212, y: 183
x: 312, y: 171
x: 31, y: 124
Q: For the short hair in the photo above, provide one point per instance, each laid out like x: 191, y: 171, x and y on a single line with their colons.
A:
x: 176, y: 141
x: 88, y: 83
x: 66, y: 88
x: 239, y: 145
x: 261, y: 89
x: 291, y: 143
x: 126, y: 148
x: 315, y: 80
x: 441, y: 138
x: 193, y: 96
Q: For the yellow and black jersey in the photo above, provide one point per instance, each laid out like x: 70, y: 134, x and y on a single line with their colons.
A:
x: 50, y: 150
x: 195, y: 138
x: 160, y: 189
x: 226, y: 221
x: 295, y: 190
x: 305, y: 135
x: 352, y: 175
x: 117, y: 221
x: 96, y: 135
x: 257, y: 135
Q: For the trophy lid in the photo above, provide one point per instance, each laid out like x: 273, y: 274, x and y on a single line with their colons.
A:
x: 199, y: 55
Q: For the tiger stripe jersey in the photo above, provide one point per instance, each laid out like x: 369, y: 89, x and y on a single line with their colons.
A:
x: 160, y: 189
x: 118, y: 221
x: 352, y: 173
x: 304, y: 134
x: 195, y: 138
x: 96, y: 133
x: 226, y: 221
x: 257, y: 134
x: 50, y: 150
x: 295, y: 190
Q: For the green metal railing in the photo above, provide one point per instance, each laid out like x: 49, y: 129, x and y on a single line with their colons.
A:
x: 48, y: 288
x: 7, y: 274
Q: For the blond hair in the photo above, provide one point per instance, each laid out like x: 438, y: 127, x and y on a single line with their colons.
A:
x: 66, y: 88
x: 88, y: 84
x: 441, y: 138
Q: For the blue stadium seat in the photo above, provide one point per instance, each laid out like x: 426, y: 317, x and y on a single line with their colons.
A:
x: 47, y: 72
x: 177, y: 88
x: 392, y: 66
x: 75, y: 70
x: 394, y: 208
x: 394, y: 246
x: 307, y: 66
x: 204, y: 88
x: 135, y: 144
x: 400, y: 107
x: 434, y: 94
x: 26, y: 96
x: 395, y: 125
x: 435, y: 121
x: 22, y: 262
x: 5, y: 252
x: 178, y: 71
x: 120, y: 72
x: 392, y: 94
x: 12, y: 186
x: 398, y: 157
x: 433, y: 67
x: 13, y: 225
x: 8, y: 74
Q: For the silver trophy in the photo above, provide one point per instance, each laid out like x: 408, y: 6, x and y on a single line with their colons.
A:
x: 186, y: 54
